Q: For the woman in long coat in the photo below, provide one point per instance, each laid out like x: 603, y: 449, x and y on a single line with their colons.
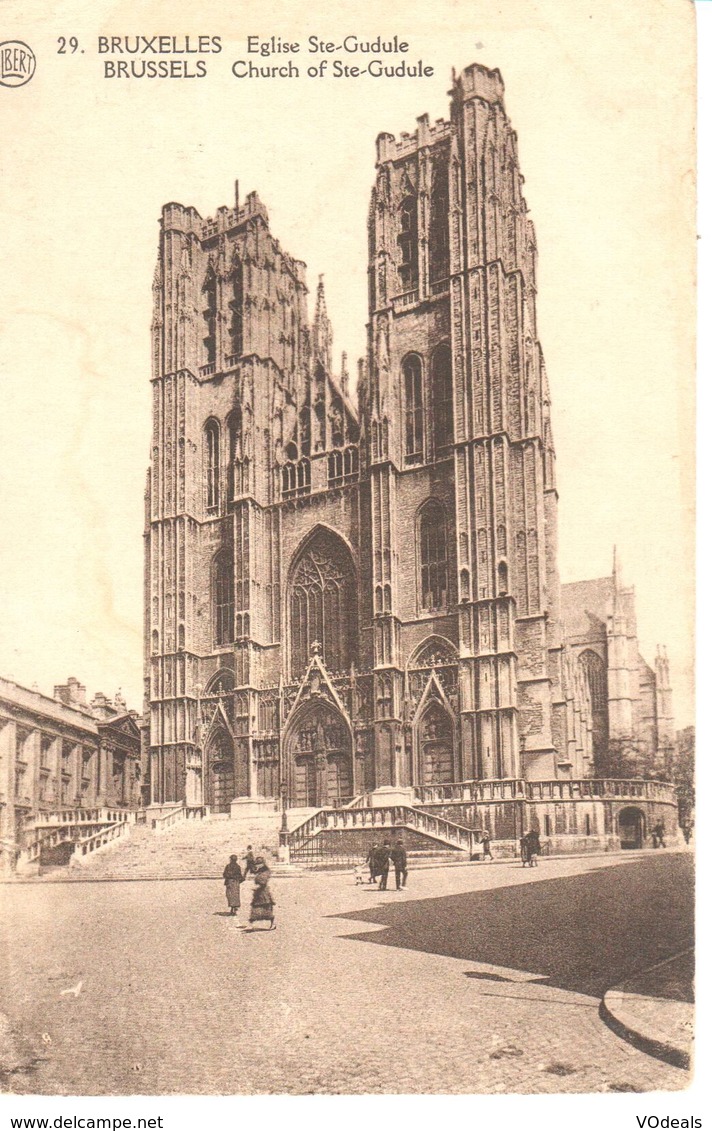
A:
x: 262, y: 899
x: 232, y: 875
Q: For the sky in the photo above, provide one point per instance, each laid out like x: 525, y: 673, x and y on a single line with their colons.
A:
x: 602, y: 102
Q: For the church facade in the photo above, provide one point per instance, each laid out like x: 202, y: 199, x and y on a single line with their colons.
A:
x: 345, y: 595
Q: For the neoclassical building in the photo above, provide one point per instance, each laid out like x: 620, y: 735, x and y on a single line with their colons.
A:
x: 61, y: 755
x: 345, y: 595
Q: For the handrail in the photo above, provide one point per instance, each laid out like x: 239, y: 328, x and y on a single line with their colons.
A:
x: 385, y: 816
x: 48, y: 817
x: 506, y: 789
x: 98, y: 840
x: 177, y: 816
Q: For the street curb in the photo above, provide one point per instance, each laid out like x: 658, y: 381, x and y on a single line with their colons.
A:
x: 615, y: 1010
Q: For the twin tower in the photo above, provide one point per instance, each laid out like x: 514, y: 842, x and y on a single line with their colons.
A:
x: 344, y: 594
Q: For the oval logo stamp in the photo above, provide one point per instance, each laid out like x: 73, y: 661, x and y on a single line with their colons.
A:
x: 17, y: 63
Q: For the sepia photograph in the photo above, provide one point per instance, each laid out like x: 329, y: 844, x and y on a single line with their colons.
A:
x: 347, y: 720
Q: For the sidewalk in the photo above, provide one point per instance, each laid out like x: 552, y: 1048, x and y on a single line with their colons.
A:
x: 655, y: 1010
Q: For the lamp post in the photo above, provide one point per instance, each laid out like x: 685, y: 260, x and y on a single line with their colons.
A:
x: 284, y: 829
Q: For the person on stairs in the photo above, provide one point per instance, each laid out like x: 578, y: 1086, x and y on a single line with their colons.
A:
x: 232, y: 876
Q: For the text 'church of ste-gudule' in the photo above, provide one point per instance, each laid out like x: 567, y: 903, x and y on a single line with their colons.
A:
x: 362, y: 598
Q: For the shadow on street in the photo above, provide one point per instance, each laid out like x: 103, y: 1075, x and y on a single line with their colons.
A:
x: 582, y: 933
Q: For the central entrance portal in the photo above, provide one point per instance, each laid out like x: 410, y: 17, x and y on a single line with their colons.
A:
x: 320, y: 758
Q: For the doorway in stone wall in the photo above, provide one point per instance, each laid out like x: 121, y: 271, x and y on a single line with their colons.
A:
x: 631, y: 827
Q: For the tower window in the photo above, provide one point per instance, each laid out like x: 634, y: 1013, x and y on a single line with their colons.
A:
x: 224, y: 600
x: 234, y: 425
x: 438, y: 234
x: 433, y: 557
x: 413, y: 380
x: 236, y: 321
x: 212, y: 465
x: 210, y: 312
x: 442, y: 398
x: 408, y: 243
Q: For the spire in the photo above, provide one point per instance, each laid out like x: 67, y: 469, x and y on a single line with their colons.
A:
x: 322, y: 334
x: 616, y: 569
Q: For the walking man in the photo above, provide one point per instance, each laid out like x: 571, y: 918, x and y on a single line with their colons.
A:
x: 384, y: 860
x: 400, y: 864
x: 485, y: 842
x: 371, y: 860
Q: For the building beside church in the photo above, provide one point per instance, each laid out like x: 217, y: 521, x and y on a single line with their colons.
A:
x: 630, y: 703
x: 62, y: 755
x: 346, y: 595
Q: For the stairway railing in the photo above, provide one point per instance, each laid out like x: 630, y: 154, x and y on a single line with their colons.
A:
x: 177, y: 816
x: 382, y: 818
x: 88, y: 845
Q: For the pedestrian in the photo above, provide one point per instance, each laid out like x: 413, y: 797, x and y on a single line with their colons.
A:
x: 383, y: 864
x: 534, y: 848
x: 687, y: 831
x: 485, y: 842
x: 250, y: 862
x: 232, y: 876
x: 400, y: 864
x: 371, y: 862
x: 262, y: 908
x: 659, y: 832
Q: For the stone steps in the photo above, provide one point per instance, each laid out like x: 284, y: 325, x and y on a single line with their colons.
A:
x: 191, y: 850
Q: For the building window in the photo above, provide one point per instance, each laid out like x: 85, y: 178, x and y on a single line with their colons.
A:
x: 212, y: 465
x: 305, y: 430
x: 210, y: 314
x: 442, y: 398
x: 342, y: 467
x: 224, y: 599
x: 235, y: 304
x: 413, y: 381
x: 433, y: 557
x: 438, y: 234
x: 408, y: 244
x: 296, y: 479
x: 234, y: 424
x: 335, y: 469
x: 322, y: 604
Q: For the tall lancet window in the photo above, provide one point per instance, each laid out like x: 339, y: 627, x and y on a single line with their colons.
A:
x: 442, y: 398
x: 413, y: 390
x: 223, y: 599
x: 322, y: 604
x: 433, y: 557
x: 211, y: 446
x: 408, y: 243
x: 210, y: 315
x: 438, y: 257
x: 234, y: 424
x: 236, y: 321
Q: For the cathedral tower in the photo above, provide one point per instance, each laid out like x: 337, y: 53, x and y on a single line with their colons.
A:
x: 461, y: 455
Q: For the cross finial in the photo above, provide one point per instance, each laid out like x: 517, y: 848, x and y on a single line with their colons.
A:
x: 316, y: 648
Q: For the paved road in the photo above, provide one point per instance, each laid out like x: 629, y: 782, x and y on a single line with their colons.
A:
x: 477, y: 979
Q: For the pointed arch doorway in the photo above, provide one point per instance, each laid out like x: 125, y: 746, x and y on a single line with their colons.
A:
x: 318, y: 751
x: 220, y: 771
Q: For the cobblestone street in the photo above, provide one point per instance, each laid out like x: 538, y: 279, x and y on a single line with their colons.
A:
x: 489, y: 981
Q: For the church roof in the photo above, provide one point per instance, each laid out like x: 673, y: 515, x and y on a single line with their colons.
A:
x: 584, y: 606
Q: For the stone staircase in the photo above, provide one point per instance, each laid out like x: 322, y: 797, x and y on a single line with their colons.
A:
x: 188, y: 850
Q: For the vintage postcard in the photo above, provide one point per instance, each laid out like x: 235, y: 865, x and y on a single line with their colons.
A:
x: 347, y: 562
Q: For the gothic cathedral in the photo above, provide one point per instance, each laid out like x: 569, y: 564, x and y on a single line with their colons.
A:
x: 344, y: 597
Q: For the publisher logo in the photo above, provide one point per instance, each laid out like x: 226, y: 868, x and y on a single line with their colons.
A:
x: 17, y: 63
